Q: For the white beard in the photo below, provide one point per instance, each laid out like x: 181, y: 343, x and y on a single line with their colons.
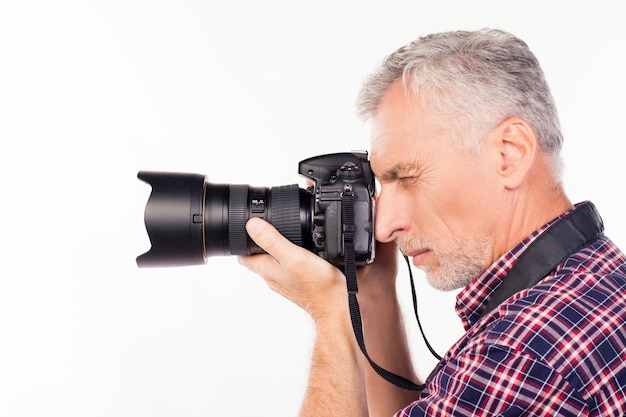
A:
x: 459, y: 262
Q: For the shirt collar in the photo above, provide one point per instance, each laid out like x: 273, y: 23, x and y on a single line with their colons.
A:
x: 472, y: 300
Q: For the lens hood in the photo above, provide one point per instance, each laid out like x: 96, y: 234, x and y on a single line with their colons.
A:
x: 173, y: 219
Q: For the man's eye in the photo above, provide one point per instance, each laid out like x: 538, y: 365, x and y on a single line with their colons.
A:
x: 407, y: 181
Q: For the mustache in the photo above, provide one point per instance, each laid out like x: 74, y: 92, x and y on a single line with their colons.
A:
x: 408, y: 244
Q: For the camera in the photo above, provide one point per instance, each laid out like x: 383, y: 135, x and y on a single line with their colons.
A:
x: 189, y: 219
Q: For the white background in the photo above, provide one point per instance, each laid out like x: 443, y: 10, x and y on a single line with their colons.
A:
x: 92, y: 92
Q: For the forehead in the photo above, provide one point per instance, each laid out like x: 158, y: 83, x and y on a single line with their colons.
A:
x: 402, y: 131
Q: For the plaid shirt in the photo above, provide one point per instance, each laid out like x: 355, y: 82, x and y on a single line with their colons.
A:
x: 556, y: 349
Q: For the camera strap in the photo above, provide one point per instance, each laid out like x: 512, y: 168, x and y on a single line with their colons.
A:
x: 353, y: 289
x: 565, y: 237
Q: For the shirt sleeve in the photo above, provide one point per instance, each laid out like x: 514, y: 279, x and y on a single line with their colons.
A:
x: 497, y: 381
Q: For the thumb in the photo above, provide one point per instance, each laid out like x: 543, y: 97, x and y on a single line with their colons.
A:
x: 268, y: 238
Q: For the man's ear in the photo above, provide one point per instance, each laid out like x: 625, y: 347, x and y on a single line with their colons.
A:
x: 517, y: 144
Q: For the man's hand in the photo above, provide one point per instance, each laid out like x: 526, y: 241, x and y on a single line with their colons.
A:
x: 384, y: 332
x: 336, y: 385
x: 378, y: 279
x: 298, y: 274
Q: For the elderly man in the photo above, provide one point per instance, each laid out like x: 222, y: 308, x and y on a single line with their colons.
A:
x: 465, y: 144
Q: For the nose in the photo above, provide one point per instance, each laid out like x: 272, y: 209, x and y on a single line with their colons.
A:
x: 391, y: 217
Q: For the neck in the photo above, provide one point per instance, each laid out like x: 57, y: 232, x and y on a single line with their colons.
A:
x: 527, y: 209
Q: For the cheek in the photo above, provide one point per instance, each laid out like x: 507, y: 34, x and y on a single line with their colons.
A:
x: 455, y: 202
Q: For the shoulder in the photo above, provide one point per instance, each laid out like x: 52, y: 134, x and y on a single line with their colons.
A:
x: 561, y: 311
x: 573, y: 323
x: 484, y: 379
x: 563, y: 338
x: 584, y: 297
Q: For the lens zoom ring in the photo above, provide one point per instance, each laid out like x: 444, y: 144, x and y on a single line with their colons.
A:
x: 237, y: 217
x: 285, y: 212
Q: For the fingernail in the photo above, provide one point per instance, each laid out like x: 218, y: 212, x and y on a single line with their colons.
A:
x: 253, y: 226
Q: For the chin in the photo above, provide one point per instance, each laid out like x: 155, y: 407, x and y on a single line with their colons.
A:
x: 447, y: 281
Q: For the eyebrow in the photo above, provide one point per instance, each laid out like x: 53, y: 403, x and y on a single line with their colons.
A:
x: 396, y: 170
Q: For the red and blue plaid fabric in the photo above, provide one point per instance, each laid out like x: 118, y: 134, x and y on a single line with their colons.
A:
x: 556, y: 349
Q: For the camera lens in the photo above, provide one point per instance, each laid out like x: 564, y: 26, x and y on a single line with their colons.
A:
x: 189, y: 219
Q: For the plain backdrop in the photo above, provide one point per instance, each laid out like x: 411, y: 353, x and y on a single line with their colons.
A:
x: 93, y: 91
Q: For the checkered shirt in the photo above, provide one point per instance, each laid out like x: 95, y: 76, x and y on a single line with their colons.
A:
x: 556, y: 349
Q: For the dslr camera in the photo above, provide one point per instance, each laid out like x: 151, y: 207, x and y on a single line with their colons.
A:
x: 189, y: 219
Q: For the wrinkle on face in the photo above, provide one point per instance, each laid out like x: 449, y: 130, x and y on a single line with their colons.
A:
x: 439, y: 190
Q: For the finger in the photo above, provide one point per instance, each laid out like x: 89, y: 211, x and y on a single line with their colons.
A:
x: 259, y: 264
x: 285, y: 257
x: 269, y: 239
x: 386, y: 251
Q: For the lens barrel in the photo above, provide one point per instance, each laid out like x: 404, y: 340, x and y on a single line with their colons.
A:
x: 189, y: 219
x: 280, y: 206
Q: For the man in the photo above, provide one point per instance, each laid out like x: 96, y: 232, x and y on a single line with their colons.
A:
x: 465, y: 144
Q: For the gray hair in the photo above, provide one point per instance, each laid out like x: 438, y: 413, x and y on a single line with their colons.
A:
x: 476, y: 80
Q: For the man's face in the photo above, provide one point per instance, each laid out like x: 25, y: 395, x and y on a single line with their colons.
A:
x: 435, y: 198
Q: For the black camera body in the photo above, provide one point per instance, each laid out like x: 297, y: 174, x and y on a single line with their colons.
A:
x: 189, y: 219
x: 337, y: 178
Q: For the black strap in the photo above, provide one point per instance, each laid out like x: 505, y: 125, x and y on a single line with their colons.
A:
x: 415, y: 312
x: 353, y: 289
x: 565, y: 237
x: 568, y: 235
